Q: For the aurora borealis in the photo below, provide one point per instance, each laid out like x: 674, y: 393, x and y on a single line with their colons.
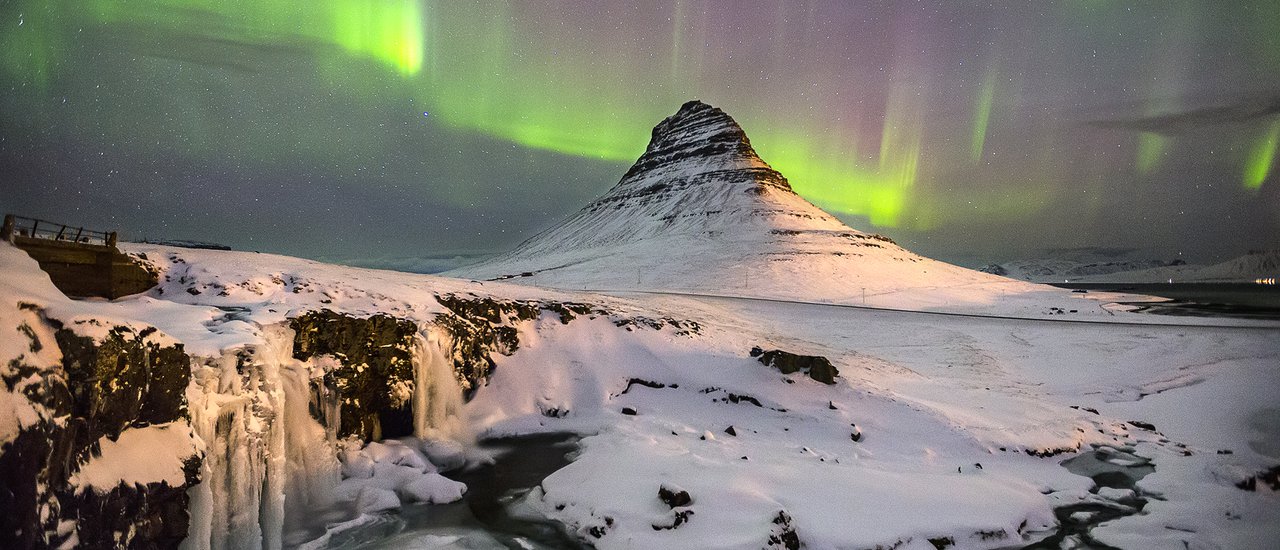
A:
x: 368, y: 131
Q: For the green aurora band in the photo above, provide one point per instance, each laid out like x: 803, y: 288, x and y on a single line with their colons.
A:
x: 476, y: 67
x: 1261, y: 157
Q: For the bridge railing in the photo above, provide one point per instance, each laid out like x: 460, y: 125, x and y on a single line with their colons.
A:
x: 33, y: 228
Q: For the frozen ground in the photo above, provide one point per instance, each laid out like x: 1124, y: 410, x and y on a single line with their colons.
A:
x: 940, y: 429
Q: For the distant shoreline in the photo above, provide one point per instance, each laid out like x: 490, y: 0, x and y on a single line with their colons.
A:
x: 1249, y: 300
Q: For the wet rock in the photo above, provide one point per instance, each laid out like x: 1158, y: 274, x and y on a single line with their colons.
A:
x: 151, y: 516
x: 376, y: 363
x: 126, y: 379
x: 480, y: 327
x: 817, y: 367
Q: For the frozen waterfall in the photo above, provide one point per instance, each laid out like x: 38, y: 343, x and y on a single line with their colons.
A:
x: 270, y: 467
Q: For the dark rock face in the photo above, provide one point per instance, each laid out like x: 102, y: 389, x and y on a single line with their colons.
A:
x: 817, y: 367
x: 100, y: 389
x: 376, y: 357
x: 150, y: 514
x: 123, y: 380
x: 481, y: 326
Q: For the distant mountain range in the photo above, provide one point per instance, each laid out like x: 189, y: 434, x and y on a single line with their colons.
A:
x: 1247, y: 268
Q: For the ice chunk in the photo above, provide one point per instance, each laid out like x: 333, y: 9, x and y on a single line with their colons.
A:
x: 356, y: 464
x: 1115, y: 494
x: 433, y: 488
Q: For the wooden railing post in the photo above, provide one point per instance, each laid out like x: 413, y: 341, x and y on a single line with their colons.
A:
x: 112, y: 238
x: 6, y: 232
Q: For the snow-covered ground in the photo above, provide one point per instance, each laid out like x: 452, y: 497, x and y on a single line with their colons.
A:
x: 950, y: 428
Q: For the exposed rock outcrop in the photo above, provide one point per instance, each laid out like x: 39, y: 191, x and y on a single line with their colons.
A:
x: 817, y: 367
x: 106, y: 386
x: 481, y: 326
x: 374, y: 380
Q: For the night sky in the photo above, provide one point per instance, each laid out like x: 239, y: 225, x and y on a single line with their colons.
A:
x: 410, y: 134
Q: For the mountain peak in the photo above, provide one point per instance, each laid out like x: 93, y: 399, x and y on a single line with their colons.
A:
x: 692, y: 120
x: 702, y: 137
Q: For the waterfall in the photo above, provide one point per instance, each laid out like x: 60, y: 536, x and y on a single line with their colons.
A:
x: 437, y: 396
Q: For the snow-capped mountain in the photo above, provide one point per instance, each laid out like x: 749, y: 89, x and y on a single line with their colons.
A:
x: 1246, y: 268
x: 700, y: 211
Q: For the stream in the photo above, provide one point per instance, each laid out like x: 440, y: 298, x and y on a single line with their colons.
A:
x: 1112, y: 470
x: 480, y: 519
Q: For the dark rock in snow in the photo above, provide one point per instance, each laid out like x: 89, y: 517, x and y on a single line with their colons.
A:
x: 1269, y: 478
x: 731, y: 431
x: 942, y: 542
x: 680, y: 518
x: 1143, y: 425
x: 817, y: 367
x: 628, y: 411
x: 994, y: 269
x: 674, y: 497
x: 783, y: 534
x: 643, y: 382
